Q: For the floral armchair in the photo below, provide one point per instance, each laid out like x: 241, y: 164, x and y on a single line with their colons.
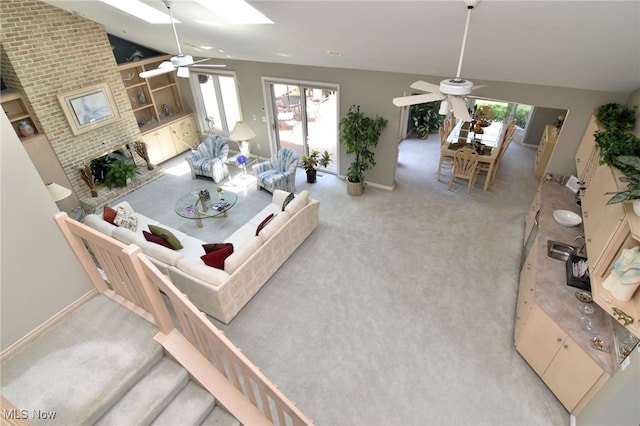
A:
x: 279, y: 172
x: 209, y: 159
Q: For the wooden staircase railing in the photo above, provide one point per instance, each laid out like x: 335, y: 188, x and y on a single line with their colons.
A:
x: 126, y: 275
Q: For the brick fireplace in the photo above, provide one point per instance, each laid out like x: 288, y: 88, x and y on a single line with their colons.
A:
x: 46, y: 51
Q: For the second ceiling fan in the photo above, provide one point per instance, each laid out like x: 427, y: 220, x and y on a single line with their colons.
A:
x: 451, y: 91
x: 181, y: 62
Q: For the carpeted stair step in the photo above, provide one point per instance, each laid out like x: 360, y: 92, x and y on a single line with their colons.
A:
x: 190, y: 407
x: 220, y: 417
x: 149, y: 396
x: 80, y: 367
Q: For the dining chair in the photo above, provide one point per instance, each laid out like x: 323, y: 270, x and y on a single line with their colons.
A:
x: 483, y: 168
x: 465, y: 166
x: 444, y: 131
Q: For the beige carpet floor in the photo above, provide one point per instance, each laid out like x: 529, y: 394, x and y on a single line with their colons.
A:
x: 399, y: 308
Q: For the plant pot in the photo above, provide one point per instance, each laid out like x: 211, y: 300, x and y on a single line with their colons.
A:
x: 311, y: 176
x: 636, y: 207
x: 355, y: 188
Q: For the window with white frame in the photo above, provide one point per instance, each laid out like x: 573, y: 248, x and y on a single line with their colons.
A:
x: 216, y: 98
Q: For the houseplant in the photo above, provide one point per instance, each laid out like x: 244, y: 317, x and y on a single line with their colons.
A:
x: 311, y: 163
x: 616, y: 140
x: 632, y: 193
x: 425, y: 118
x: 359, y: 134
x: 120, y: 171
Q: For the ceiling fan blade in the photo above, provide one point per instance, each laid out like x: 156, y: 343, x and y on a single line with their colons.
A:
x: 156, y: 72
x: 417, y: 99
x: 211, y: 66
x: 425, y: 86
x: 479, y: 86
x: 459, y: 108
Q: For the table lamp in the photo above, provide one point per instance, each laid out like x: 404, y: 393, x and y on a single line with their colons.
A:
x: 242, y: 133
x: 57, y: 192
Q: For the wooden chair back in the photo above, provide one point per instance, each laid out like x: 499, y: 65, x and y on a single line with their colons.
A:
x: 465, y: 166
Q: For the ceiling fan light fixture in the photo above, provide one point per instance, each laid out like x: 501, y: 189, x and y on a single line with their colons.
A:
x: 445, y: 107
x: 182, y: 60
x: 183, y: 72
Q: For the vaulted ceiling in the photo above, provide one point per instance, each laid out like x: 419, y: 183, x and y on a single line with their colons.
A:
x: 591, y: 45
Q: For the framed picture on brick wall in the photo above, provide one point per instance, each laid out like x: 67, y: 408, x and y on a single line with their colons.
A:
x: 89, y: 108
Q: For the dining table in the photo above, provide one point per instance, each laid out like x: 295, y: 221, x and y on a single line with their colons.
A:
x: 487, y: 144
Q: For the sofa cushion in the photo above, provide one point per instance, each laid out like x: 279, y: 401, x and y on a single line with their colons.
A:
x: 155, y: 239
x: 160, y: 253
x: 242, y: 236
x: 240, y: 255
x: 274, y: 224
x: 126, y: 235
x: 215, y: 277
x: 216, y: 258
x: 96, y: 222
x: 298, y: 203
x: 108, y: 214
x: 125, y: 218
x: 167, y: 235
x: 208, y: 248
x: 287, y: 200
x: 264, y: 223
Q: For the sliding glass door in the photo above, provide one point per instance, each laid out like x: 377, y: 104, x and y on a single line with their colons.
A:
x: 304, y: 118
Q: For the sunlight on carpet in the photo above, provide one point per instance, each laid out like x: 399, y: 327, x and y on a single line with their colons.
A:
x: 178, y: 170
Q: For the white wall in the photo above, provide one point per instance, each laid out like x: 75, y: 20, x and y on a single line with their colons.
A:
x: 39, y: 275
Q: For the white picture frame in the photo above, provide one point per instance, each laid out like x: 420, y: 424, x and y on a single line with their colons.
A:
x: 89, y: 108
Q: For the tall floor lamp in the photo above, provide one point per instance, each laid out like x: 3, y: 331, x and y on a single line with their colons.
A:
x: 242, y: 134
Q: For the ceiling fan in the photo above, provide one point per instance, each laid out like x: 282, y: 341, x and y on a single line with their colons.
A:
x: 181, y: 62
x: 451, y: 91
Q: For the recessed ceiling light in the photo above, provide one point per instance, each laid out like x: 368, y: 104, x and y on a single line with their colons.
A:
x: 141, y: 10
x: 334, y: 53
x: 236, y: 11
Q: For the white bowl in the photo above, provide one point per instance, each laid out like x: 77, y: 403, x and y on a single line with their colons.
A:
x: 566, y: 218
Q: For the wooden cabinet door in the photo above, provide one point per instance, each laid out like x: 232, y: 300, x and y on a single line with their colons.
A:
x: 571, y: 374
x: 587, y: 156
x: 531, y: 216
x: 540, y: 340
x: 185, y: 134
x: 600, y: 220
x: 152, y: 140
x: 526, y: 290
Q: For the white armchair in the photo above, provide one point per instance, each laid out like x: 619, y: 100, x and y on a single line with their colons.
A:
x: 279, y: 172
x: 209, y: 159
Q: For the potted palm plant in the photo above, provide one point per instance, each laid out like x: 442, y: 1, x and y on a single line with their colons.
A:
x: 359, y: 134
x: 311, y: 163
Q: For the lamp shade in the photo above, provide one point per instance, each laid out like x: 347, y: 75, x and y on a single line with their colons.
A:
x: 58, y: 192
x: 241, y: 132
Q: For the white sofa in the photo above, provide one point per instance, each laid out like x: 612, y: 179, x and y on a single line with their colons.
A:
x: 223, y: 293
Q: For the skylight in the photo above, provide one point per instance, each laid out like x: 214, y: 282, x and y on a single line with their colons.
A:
x: 235, y: 11
x: 141, y: 10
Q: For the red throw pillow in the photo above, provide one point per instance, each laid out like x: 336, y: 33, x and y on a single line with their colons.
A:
x: 208, y: 248
x: 155, y: 239
x: 216, y: 258
x: 263, y: 223
x: 109, y: 214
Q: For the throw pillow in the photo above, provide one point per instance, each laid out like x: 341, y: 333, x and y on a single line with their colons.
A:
x: 208, y: 248
x: 155, y: 239
x: 263, y: 223
x: 287, y: 200
x: 108, y: 214
x: 171, y: 239
x: 216, y: 258
x: 126, y: 219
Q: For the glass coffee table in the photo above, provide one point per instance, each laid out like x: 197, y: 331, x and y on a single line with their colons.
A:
x: 218, y: 205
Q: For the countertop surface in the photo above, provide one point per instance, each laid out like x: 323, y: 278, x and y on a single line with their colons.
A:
x: 552, y: 293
